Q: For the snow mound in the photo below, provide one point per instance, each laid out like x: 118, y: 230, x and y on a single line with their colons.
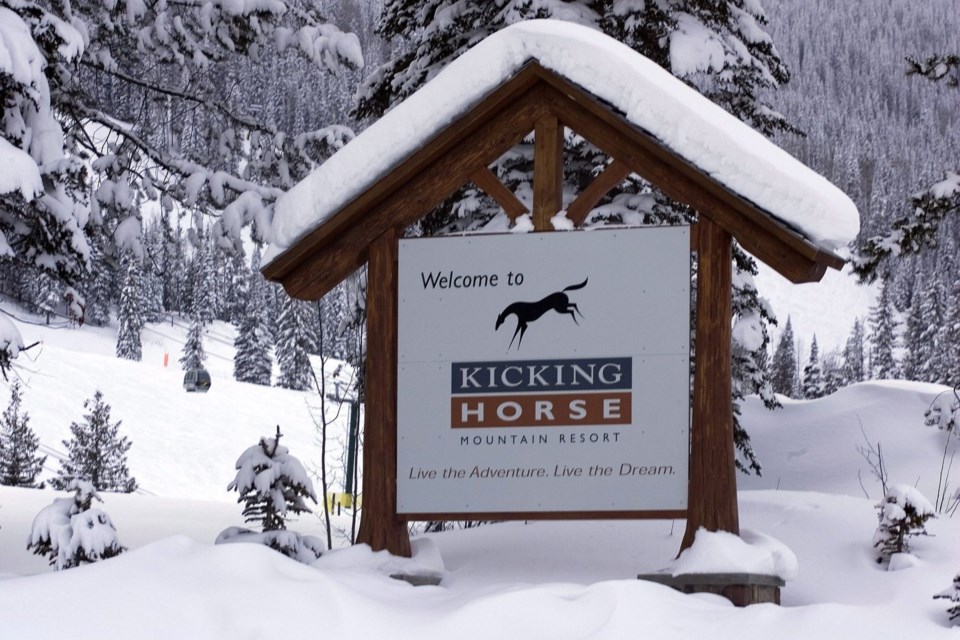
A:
x: 724, y: 552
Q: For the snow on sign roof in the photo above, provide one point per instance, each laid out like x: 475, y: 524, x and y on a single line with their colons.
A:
x: 689, y: 124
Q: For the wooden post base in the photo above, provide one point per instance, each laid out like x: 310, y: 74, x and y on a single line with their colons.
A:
x: 741, y: 589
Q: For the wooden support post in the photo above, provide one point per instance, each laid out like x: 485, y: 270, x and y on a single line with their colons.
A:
x: 547, y: 171
x: 712, y: 494
x: 379, y: 525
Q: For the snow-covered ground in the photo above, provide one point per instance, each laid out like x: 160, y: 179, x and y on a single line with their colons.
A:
x: 510, y: 580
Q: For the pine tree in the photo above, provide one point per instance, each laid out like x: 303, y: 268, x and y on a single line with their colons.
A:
x: 130, y: 314
x: 203, y: 297
x: 251, y: 361
x: 748, y: 65
x: 952, y: 593
x: 783, y: 368
x: 97, y: 286
x: 294, y: 343
x: 883, y: 324
x: 833, y: 378
x: 813, y: 383
x: 903, y: 513
x: 918, y: 229
x: 19, y: 463
x: 160, y: 84
x: 96, y: 452
x: 193, y: 353
x: 948, y: 339
x: 918, y: 339
x: 272, y: 484
x: 854, y: 355
x: 73, y: 533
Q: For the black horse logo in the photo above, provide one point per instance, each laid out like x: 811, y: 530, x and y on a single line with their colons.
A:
x: 527, y: 312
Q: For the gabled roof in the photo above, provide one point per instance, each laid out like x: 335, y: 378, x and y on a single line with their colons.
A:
x: 401, y: 167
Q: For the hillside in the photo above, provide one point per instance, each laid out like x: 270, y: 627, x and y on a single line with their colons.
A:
x: 544, y: 579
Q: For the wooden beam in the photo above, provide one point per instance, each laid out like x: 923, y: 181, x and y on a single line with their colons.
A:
x: 612, y: 175
x: 379, y: 525
x: 491, y: 185
x: 334, y: 257
x: 547, y: 171
x: 785, y: 250
x: 457, y: 136
x: 712, y: 493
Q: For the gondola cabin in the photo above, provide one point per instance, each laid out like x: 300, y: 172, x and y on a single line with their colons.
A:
x: 197, y: 380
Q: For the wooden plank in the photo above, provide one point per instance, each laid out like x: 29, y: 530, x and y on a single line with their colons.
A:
x: 491, y: 185
x: 453, y: 136
x: 769, y: 240
x: 321, y: 270
x: 549, y: 515
x: 379, y: 525
x: 547, y: 171
x: 712, y: 494
x: 612, y: 175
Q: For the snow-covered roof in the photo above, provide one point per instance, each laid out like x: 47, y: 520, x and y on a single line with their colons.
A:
x: 652, y: 99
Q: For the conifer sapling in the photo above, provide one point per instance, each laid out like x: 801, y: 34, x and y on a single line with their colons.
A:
x: 70, y: 532
x: 272, y: 484
x: 903, y: 513
x: 952, y: 593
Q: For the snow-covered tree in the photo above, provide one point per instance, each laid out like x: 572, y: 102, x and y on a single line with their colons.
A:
x: 918, y: 229
x: 833, y: 378
x: 813, y: 383
x: 193, y: 353
x: 854, y: 355
x: 273, y: 485
x: 783, y: 366
x: 294, y: 344
x: 130, y: 314
x: 720, y: 48
x: 918, y: 340
x: 72, y: 533
x: 750, y: 342
x: 948, y: 338
x: 952, y: 593
x: 157, y: 81
x: 944, y: 411
x: 19, y: 463
x: 251, y: 361
x: 903, y: 513
x: 96, y: 452
x: 98, y: 285
x: 883, y: 324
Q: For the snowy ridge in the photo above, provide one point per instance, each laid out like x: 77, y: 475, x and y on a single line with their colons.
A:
x: 650, y: 97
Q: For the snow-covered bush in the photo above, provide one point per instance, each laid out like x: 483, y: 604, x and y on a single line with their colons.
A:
x: 272, y: 484
x: 952, y: 593
x: 904, y: 512
x: 944, y: 411
x: 294, y: 545
x: 72, y: 533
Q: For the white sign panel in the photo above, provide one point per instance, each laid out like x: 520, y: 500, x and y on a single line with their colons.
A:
x: 544, y: 372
